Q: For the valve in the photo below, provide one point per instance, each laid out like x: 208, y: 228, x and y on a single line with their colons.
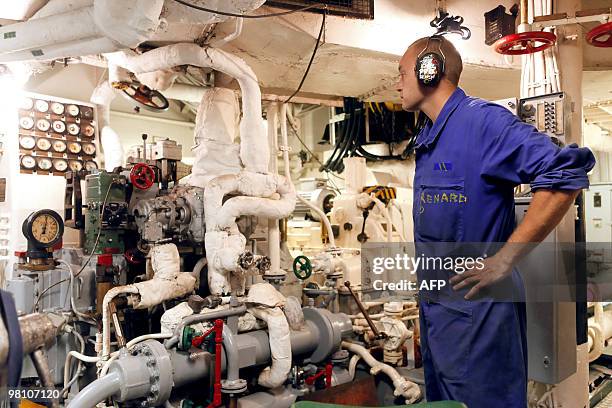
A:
x: 526, y: 43
x: 142, y: 176
x: 601, y: 36
x: 302, y: 267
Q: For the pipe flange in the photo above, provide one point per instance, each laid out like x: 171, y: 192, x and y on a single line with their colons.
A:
x: 233, y: 387
x: 160, y: 371
x: 328, y: 338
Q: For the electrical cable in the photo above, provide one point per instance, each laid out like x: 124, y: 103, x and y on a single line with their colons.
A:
x: 229, y: 14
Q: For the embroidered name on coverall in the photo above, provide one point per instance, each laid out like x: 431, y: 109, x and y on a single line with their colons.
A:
x: 467, y: 165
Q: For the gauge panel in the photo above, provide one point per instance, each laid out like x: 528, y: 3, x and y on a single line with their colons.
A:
x: 43, y: 125
x: 26, y: 122
x: 28, y: 162
x: 75, y: 165
x: 60, y: 165
x: 41, y: 106
x: 44, y: 163
x: 43, y: 144
x: 59, y: 146
x: 57, y: 108
x: 43, y: 229
x: 91, y: 165
x: 74, y: 147
x: 59, y: 126
x: 89, y: 149
x: 27, y: 142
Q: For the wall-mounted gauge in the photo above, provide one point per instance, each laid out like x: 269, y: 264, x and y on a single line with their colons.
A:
x: 59, y: 126
x: 27, y: 142
x: 28, y: 162
x: 75, y: 165
x: 43, y: 229
x: 59, y: 146
x: 41, y: 106
x: 44, y: 163
x: 87, y: 112
x: 73, y: 129
x: 89, y: 149
x: 43, y: 144
x: 26, y: 122
x: 26, y: 103
x: 60, y: 164
x: 74, y: 147
x: 91, y: 165
x: 57, y: 108
x: 43, y: 125
x: 89, y: 130
x: 73, y: 110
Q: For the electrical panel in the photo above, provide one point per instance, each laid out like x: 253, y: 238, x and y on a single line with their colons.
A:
x: 548, y: 113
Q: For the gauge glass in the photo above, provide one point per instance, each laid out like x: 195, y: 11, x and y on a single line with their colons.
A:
x: 43, y: 144
x: 44, y: 163
x: 57, y: 108
x: 87, y: 112
x: 28, y: 162
x: 75, y: 165
x: 26, y: 122
x: 59, y: 146
x: 74, y: 147
x: 74, y: 129
x: 43, y: 125
x: 41, y: 106
x: 89, y: 131
x: 73, y: 110
x: 60, y: 164
x: 45, y: 228
x: 91, y: 165
x: 59, y: 126
x: 26, y: 104
x: 89, y: 148
x: 27, y: 142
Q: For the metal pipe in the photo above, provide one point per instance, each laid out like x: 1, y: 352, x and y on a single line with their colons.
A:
x: 230, y: 346
x: 39, y: 330
x: 97, y: 391
x: 364, y: 312
x: 41, y: 364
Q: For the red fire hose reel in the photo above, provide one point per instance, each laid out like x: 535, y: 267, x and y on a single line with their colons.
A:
x: 142, y: 176
x: 601, y: 36
x: 525, y: 43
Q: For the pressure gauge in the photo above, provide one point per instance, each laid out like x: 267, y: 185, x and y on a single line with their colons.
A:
x: 43, y: 229
x: 26, y: 122
x: 87, y: 112
x: 26, y: 104
x: 28, y: 162
x: 44, y: 163
x: 74, y: 147
x: 59, y: 146
x: 75, y: 165
x: 57, y: 108
x: 41, y: 106
x: 43, y: 125
x: 59, y: 126
x: 89, y: 149
x: 73, y: 110
x: 27, y: 142
x: 91, y: 165
x: 60, y: 164
x: 73, y: 129
x: 89, y: 130
x: 43, y: 144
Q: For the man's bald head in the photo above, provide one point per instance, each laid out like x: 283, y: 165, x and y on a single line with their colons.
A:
x: 453, y: 65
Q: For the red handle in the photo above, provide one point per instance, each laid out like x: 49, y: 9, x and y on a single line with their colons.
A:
x: 142, y: 176
x: 526, y: 43
x: 601, y: 36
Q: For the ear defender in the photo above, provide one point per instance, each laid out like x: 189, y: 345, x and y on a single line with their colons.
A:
x: 429, y: 66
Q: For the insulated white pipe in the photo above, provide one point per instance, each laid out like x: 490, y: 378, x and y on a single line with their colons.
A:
x: 108, y: 298
x: 273, y: 227
x: 54, y: 7
x: 85, y: 46
x: 385, y: 213
x: 231, y: 37
x: 102, y: 96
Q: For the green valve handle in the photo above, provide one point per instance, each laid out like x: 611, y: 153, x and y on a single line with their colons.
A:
x: 302, y: 268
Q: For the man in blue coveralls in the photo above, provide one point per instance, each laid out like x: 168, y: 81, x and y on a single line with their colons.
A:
x: 477, y: 152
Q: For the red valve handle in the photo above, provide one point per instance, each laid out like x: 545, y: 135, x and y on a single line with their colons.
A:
x: 142, y: 176
x: 527, y: 42
x: 597, y: 36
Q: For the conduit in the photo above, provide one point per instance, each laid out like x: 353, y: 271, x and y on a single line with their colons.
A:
x: 102, y: 96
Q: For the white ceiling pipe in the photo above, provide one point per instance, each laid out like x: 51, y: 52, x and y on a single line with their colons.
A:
x: 54, y: 7
x: 187, y: 93
x: 102, y: 96
x: 85, y: 46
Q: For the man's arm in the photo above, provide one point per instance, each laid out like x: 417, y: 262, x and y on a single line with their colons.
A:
x: 546, y: 210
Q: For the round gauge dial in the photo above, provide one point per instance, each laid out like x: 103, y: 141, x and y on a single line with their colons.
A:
x: 43, y: 228
x: 26, y: 122
x: 75, y: 165
x: 41, y: 106
x: 89, y: 130
x: 91, y: 165
x: 73, y: 110
x: 59, y: 146
x: 26, y: 104
x: 57, y: 108
x: 43, y: 125
x: 74, y: 147
x: 27, y: 142
x: 44, y: 163
x: 59, y: 126
x: 89, y: 148
x: 28, y: 162
x: 74, y: 129
x: 43, y: 144
x: 60, y: 164
x: 87, y: 112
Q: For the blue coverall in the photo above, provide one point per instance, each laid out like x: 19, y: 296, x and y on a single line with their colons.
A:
x: 467, y: 165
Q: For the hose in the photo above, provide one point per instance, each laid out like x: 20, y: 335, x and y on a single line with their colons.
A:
x: 97, y: 391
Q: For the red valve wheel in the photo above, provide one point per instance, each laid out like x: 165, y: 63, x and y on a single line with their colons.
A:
x: 527, y: 43
x: 142, y: 176
x: 601, y: 36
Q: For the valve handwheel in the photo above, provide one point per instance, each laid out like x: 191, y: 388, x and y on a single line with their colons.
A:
x: 142, y: 176
x: 525, y: 43
x: 302, y: 268
x: 601, y: 36
x: 143, y: 96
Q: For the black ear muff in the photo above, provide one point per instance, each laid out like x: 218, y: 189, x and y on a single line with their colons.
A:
x: 429, y: 68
